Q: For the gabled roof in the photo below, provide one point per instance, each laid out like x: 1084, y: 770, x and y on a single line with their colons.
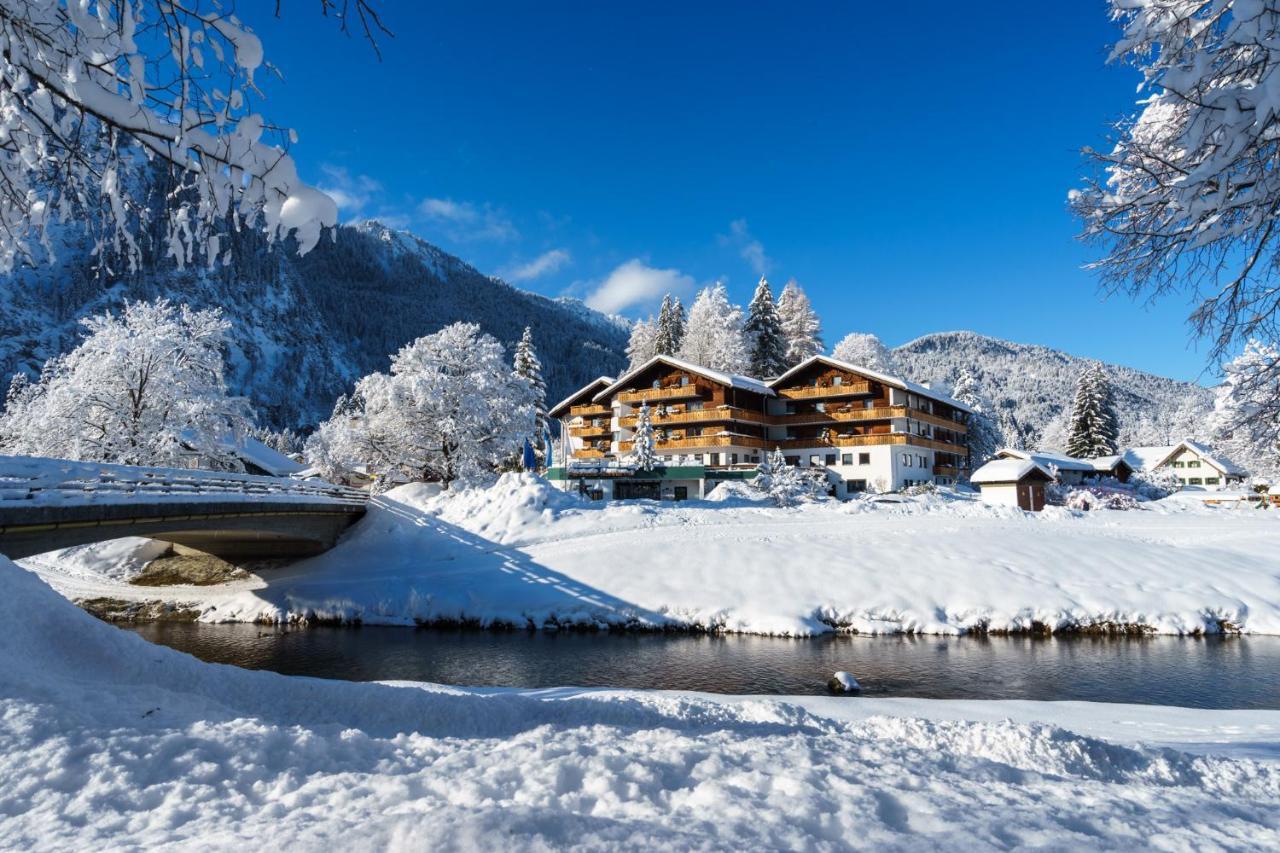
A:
x: 894, y: 381
x: 567, y: 401
x: 1110, y: 463
x: 731, y: 379
x: 1045, y: 458
x: 1150, y: 458
x: 1008, y: 471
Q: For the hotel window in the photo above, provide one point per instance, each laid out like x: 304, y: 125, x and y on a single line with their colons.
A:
x: 852, y: 486
x: 657, y: 383
x: 733, y: 459
x: 694, y: 406
x: 831, y: 459
x: 868, y: 404
x: 815, y: 460
x: 864, y: 458
x: 846, y: 459
x: 755, y: 460
x: 1211, y: 481
x: 906, y: 459
x: 837, y: 381
x: 793, y: 460
x: 819, y: 407
x: 921, y: 462
x: 684, y: 380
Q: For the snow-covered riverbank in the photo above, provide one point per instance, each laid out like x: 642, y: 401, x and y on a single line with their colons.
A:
x: 107, y: 741
x: 522, y: 553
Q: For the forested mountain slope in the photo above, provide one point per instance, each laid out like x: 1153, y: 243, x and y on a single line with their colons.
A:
x: 1035, y: 385
x: 305, y: 328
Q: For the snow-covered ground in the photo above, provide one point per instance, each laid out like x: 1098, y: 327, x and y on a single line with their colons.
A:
x: 523, y: 553
x: 108, y: 742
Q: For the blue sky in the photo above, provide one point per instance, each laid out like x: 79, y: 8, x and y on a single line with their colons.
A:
x: 909, y: 171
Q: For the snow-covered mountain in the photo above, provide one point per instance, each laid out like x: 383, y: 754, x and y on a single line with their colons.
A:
x: 305, y: 328
x: 1035, y: 384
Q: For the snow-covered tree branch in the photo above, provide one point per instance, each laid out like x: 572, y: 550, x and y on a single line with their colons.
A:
x: 90, y: 88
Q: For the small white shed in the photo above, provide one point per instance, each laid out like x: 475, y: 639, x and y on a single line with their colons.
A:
x: 1012, y: 482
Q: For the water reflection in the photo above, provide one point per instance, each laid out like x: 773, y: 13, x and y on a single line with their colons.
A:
x: 1215, y: 672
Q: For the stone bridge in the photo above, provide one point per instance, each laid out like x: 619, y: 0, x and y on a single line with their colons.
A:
x: 47, y: 504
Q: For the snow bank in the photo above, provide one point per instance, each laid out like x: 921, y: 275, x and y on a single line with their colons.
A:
x: 523, y: 553
x: 107, y: 741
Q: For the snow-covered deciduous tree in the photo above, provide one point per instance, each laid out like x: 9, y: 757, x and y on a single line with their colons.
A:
x: 528, y: 367
x: 788, y: 485
x: 144, y: 387
x: 713, y: 332
x: 766, y: 342
x: 1246, y: 417
x: 670, y: 329
x: 1188, y: 199
x: 1093, y: 427
x: 643, y: 343
x: 799, y: 324
x: 983, y: 438
x: 92, y: 88
x: 450, y: 410
x: 864, y: 350
x: 643, y: 455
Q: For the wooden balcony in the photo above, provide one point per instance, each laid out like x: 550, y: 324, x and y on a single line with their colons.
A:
x: 876, y: 440
x: 590, y: 432
x: 648, y: 395
x: 879, y: 413
x: 593, y: 410
x: 723, y: 413
x: 946, y: 471
x: 938, y: 421
x: 809, y: 392
x: 701, y: 442
x: 589, y: 453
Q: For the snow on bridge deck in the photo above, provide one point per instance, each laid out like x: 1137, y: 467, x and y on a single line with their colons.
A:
x: 53, y: 503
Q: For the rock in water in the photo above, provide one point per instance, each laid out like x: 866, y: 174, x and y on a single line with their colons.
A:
x: 843, y: 682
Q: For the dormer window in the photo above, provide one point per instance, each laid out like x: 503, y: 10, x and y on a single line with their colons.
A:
x: 684, y: 380
x: 837, y: 381
x: 657, y: 384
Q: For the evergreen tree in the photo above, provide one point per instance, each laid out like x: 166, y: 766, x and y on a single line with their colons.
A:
x: 766, y: 343
x: 800, y: 324
x: 528, y: 367
x: 670, y: 329
x: 1093, y: 429
x: 643, y: 344
x: 643, y: 455
x: 713, y: 335
x: 983, y: 438
x: 864, y: 350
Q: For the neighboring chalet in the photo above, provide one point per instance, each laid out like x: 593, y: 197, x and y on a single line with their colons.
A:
x: 1071, y: 470
x: 865, y: 429
x: 1013, y: 481
x: 1192, y: 463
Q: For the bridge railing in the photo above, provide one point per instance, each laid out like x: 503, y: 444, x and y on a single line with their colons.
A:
x: 31, y: 480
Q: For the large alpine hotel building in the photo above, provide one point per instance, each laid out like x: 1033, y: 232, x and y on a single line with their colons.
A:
x: 867, y: 430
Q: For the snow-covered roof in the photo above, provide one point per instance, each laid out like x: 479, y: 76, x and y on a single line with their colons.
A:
x: 599, y: 380
x: 733, y: 380
x: 1045, y: 458
x: 1007, y: 471
x: 894, y: 381
x: 1109, y: 463
x: 274, y: 462
x: 1152, y: 457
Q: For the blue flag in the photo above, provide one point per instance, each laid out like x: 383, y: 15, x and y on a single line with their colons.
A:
x: 530, y: 460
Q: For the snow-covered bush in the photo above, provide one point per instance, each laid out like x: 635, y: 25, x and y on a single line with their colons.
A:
x: 788, y: 485
x: 449, y: 410
x: 144, y: 387
x: 643, y: 456
x: 921, y: 489
x: 1091, y: 498
x: 1154, y: 485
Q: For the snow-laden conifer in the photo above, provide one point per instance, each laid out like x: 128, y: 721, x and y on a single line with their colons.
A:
x: 643, y: 454
x: 669, y: 332
x: 800, y: 324
x: 1246, y: 417
x: 1093, y: 428
x: 788, y: 485
x: 713, y: 332
x: 983, y: 438
x: 766, y: 342
x: 145, y: 387
x: 528, y: 367
x: 643, y: 343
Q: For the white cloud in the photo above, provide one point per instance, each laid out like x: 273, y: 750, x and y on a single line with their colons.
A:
x: 465, y: 221
x: 635, y: 282
x: 749, y: 248
x: 352, y: 193
x: 544, y: 264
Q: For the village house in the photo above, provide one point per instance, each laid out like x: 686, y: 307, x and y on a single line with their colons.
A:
x: 1071, y: 470
x: 1192, y: 463
x: 865, y: 430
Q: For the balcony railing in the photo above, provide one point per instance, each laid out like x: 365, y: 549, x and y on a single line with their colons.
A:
x: 646, y: 395
x: 805, y: 392
x: 589, y: 453
x: 874, y: 440
x: 701, y: 442
x: 878, y: 413
x: 723, y: 413
x: 590, y: 432
x: 946, y: 471
x: 594, y: 410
